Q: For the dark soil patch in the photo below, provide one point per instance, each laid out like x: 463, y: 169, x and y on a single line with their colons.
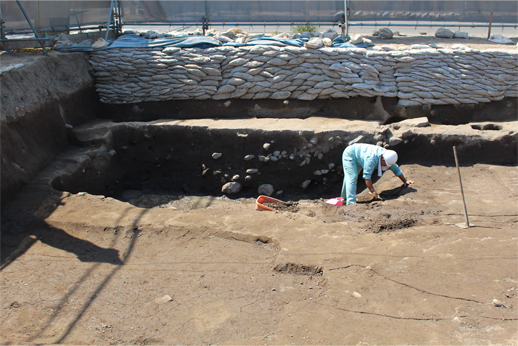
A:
x: 295, y: 268
x: 385, y: 224
x: 292, y: 207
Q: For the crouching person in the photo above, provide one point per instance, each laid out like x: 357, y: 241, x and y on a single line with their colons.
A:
x: 367, y: 157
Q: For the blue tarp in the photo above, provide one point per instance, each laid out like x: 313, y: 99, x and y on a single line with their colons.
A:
x: 135, y: 41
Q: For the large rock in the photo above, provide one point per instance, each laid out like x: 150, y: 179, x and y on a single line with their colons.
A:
x: 266, y: 189
x: 232, y: 187
x: 444, y: 33
x: 314, y: 43
x: 417, y: 122
x: 385, y: 33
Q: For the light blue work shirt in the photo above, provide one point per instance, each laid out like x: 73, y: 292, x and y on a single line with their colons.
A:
x: 367, y: 157
x: 358, y: 157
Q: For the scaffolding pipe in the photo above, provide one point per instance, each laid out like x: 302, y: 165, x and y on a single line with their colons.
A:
x: 32, y: 27
x: 109, y: 21
x: 472, y: 25
x: 24, y: 39
x: 2, y: 29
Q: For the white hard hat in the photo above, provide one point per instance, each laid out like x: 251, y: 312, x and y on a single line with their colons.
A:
x: 390, y: 157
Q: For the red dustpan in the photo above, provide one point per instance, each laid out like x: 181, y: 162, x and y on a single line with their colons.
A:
x: 265, y: 199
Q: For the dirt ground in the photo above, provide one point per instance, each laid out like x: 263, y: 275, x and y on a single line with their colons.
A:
x: 88, y: 269
x: 100, y: 271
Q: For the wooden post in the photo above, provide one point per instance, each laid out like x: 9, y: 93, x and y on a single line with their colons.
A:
x: 461, y: 189
x: 490, y: 23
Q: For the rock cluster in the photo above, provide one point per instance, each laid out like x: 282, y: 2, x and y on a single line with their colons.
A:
x: 421, y: 75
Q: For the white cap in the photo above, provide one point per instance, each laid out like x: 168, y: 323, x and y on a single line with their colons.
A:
x: 390, y: 157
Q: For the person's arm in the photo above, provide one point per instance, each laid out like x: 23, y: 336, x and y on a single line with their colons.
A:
x: 371, y: 189
x: 403, y: 179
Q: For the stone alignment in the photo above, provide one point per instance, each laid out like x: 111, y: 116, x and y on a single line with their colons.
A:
x: 422, y: 75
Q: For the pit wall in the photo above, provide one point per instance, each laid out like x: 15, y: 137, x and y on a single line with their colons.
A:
x: 422, y: 75
x: 42, y: 99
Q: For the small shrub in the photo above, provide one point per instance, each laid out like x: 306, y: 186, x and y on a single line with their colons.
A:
x: 304, y: 28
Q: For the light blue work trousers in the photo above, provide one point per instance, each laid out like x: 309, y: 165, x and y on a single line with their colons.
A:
x: 351, y: 170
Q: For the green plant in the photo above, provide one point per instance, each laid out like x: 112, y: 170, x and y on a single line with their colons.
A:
x: 304, y: 28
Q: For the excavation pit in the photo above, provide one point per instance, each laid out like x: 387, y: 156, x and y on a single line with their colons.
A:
x: 152, y: 164
x: 118, y: 238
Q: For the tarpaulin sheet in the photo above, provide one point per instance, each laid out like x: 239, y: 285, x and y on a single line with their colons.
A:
x: 135, y: 41
x: 269, y: 41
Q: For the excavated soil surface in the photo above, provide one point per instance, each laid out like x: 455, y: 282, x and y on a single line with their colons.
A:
x: 89, y: 269
x: 162, y: 268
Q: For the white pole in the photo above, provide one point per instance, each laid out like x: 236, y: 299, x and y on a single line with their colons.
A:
x: 346, y: 22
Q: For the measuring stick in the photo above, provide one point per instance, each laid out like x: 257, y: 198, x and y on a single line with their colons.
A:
x: 461, y: 189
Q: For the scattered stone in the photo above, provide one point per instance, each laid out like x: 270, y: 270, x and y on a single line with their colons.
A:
x: 357, y: 295
x: 394, y: 141
x: 331, y: 166
x: 263, y: 158
x: 279, y: 193
x: 408, y: 134
x: 498, y: 304
x: 266, y: 146
x: 249, y: 157
x: 163, y: 300
x: 327, y: 42
x: 252, y: 171
x: 305, y: 184
x: 357, y: 39
x: 232, y: 187
x: 248, y: 178
x: 216, y: 156
x: 416, y: 122
x: 356, y: 140
x: 235, y: 177
x: 500, y: 39
x: 266, y: 189
x: 226, y: 104
x: 331, y: 34
x: 460, y: 34
x: 314, y: 43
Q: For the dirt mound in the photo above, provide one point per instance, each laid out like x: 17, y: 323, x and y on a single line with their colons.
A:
x: 292, y: 207
x: 387, y: 224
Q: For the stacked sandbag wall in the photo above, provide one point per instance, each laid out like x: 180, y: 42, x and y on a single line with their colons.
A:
x: 422, y: 75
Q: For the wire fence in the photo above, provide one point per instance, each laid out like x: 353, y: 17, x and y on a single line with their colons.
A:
x: 62, y: 16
